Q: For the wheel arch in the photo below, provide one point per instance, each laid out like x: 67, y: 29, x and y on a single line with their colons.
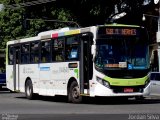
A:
x: 69, y: 83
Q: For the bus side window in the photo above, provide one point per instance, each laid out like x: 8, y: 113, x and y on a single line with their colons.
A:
x: 45, y: 51
x: 10, y: 56
x: 58, y: 49
x: 72, y: 48
x: 25, y: 53
x: 17, y: 48
x: 35, y: 52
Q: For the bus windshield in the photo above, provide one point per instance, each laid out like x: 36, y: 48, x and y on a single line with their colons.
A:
x: 121, y: 53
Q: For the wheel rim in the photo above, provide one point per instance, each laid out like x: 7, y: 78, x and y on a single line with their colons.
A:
x: 75, y: 92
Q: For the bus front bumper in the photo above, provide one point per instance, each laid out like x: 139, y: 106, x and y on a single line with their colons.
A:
x: 101, y: 90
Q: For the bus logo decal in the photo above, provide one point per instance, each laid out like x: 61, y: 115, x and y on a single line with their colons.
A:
x: 76, y: 72
x: 44, y: 68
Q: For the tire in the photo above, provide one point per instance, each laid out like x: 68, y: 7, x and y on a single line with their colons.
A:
x: 29, y: 90
x: 74, y: 93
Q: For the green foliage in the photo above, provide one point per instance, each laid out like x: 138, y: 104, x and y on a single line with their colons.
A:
x: 10, y: 25
x: 14, y: 23
x: 35, y: 27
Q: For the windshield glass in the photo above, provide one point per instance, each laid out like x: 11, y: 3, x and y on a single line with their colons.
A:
x: 122, y: 53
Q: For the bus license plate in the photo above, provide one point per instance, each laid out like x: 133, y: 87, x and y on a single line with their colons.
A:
x: 128, y: 90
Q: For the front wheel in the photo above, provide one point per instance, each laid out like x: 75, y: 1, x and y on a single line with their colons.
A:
x: 74, y: 93
x: 29, y: 90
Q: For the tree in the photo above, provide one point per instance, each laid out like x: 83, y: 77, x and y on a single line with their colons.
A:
x: 15, y: 24
x: 10, y: 24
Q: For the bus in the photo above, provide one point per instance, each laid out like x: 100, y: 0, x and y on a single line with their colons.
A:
x: 102, y: 60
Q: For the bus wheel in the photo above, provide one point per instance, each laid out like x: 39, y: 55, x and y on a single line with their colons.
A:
x: 74, y: 93
x: 29, y: 90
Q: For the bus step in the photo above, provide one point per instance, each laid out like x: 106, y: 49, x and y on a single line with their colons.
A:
x: 84, y: 94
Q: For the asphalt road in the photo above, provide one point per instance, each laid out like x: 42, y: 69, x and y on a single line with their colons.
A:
x: 16, y: 105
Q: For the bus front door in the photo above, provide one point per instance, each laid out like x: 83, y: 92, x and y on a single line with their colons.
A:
x: 86, y: 64
x: 16, y: 55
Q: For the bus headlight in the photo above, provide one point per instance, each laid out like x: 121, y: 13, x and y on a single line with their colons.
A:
x: 103, y: 82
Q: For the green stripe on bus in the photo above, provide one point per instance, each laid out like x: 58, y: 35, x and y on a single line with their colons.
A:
x: 126, y: 82
x: 76, y: 72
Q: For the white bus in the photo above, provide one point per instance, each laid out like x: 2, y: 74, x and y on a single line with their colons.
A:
x: 106, y: 60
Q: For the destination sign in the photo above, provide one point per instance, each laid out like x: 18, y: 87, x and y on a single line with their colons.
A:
x: 124, y: 31
x: 118, y: 31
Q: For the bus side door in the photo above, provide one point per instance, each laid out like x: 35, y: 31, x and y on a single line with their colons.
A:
x: 86, y: 63
x: 16, y: 62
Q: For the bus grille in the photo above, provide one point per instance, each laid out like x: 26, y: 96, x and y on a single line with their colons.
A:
x: 121, y: 89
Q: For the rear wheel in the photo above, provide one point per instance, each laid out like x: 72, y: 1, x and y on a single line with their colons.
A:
x: 74, y: 93
x: 29, y: 90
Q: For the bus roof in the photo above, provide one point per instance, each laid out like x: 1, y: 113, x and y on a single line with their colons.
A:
x: 23, y: 40
x: 64, y: 31
x: 121, y: 25
x: 41, y: 34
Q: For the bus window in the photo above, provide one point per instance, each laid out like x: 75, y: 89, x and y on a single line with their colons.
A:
x: 17, y: 50
x: 58, y: 49
x: 25, y: 53
x: 10, y: 56
x: 45, y: 51
x: 35, y: 52
x: 72, y: 48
